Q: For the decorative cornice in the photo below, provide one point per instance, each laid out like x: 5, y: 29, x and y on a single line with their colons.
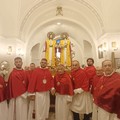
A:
x: 42, y: 2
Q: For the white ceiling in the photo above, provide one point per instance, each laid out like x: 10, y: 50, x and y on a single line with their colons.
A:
x: 82, y: 19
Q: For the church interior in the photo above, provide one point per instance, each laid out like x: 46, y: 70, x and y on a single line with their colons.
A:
x: 92, y: 28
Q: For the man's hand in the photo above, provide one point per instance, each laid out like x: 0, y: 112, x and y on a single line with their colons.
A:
x: 1, y: 86
x: 52, y: 91
x: 31, y: 97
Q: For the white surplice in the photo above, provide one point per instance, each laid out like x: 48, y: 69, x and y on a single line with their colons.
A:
x: 82, y: 103
x: 18, y: 108
x: 42, y: 105
x: 62, y: 110
x: 95, y: 112
x: 104, y: 115
x: 4, y: 110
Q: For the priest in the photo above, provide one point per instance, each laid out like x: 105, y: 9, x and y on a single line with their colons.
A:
x: 17, y: 86
x: 40, y: 84
x: 64, y: 93
x: 82, y: 100
x: 108, y: 93
x: 31, y: 101
x: 95, y: 81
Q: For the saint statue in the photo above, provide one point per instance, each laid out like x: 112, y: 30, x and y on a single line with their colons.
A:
x: 65, y: 55
x: 58, y: 51
x: 50, y: 49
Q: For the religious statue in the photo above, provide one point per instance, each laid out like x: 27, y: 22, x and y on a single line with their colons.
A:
x: 50, y: 49
x: 58, y: 51
x: 65, y: 56
x: 4, y: 67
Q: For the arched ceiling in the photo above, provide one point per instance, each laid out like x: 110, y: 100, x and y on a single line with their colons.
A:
x: 86, y: 19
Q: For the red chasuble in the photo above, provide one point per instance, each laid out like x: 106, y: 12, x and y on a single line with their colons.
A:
x: 108, y: 95
x: 17, y: 83
x: 2, y: 89
x: 29, y: 74
x: 80, y: 79
x: 95, y: 81
x: 63, y: 84
x: 41, y: 80
x: 90, y: 71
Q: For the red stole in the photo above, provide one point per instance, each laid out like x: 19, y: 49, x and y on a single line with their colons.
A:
x: 41, y: 80
x: 2, y: 90
x: 29, y: 74
x: 108, y: 95
x: 17, y: 83
x: 63, y: 84
x: 95, y: 81
x: 80, y: 79
x: 90, y: 71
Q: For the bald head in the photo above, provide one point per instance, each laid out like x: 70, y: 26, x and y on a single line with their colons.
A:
x: 60, y: 69
x: 99, y: 71
x: 75, y: 65
x: 107, y: 67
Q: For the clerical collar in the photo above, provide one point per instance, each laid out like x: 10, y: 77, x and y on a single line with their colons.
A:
x: 18, y: 69
x: 110, y: 74
x: 43, y: 68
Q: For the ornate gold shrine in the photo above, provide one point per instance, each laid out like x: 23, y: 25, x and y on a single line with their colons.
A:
x: 58, y: 51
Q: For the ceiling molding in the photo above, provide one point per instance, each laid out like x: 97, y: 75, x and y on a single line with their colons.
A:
x: 43, y: 2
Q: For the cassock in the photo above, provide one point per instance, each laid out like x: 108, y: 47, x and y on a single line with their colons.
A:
x: 108, y: 96
x: 64, y: 93
x: 3, y: 101
x: 91, y: 72
x: 40, y: 84
x: 82, y: 97
x: 17, y: 86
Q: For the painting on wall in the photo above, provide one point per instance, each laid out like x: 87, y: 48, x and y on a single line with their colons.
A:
x: 117, y: 63
x: 100, y: 51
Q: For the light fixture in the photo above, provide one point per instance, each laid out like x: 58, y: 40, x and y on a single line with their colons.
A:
x: 58, y: 23
x: 9, y: 50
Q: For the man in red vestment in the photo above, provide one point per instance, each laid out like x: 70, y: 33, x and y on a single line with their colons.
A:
x: 108, y: 93
x: 41, y: 83
x: 3, y: 101
x: 31, y: 69
x: 17, y: 84
x: 31, y: 110
x: 90, y: 71
x: 64, y: 93
x: 82, y: 97
x: 95, y: 81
